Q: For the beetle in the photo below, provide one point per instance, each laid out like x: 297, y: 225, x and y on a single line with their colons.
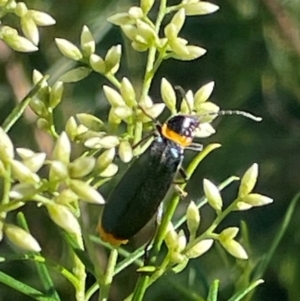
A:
x: 129, y: 209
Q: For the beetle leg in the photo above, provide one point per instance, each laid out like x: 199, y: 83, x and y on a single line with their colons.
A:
x: 195, y: 147
x: 184, y: 177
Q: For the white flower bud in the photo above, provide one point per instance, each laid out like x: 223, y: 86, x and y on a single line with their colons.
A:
x: 30, y: 29
x: 200, y: 8
x: 113, y: 97
x: 68, y: 49
x: 41, y: 18
x: 168, y: 95
x: 62, y: 149
x: 146, y: 5
x: 234, y: 248
x: 125, y: 151
x: 127, y: 92
x: 81, y: 167
x: 192, y: 219
x: 64, y: 218
x: 56, y: 94
x: 255, y: 200
x: 109, y: 171
x: 86, y: 192
x: 213, y: 195
x: 105, y: 159
x: 87, y: 41
x: 97, y: 63
x: 200, y: 248
x: 204, y: 93
x: 6, y: 147
x: 248, y: 180
x: 23, y: 174
x: 75, y: 75
x: 21, y: 238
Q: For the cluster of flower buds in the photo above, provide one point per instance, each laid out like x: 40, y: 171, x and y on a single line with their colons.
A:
x: 138, y: 27
x: 29, y: 21
x: 65, y: 181
x: 181, y: 249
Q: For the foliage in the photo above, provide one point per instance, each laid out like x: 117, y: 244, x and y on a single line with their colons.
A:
x: 60, y: 181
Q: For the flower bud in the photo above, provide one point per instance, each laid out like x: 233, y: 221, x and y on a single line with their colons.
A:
x: 229, y: 233
x: 130, y: 31
x: 112, y: 58
x: 68, y: 49
x: 234, y: 248
x: 178, y: 19
x: 25, y: 153
x: 87, y: 41
x: 90, y: 121
x: 241, y: 206
x: 200, y: 8
x: 200, y: 248
x: 22, y: 191
x: 38, y: 107
x: 109, y: 171
x: 66, y: 196
x: 64, y: 218
x: 56, y: 94
x: 113, y: 97
x: 30, y: 29
x: 204, y: 93
x: 16, y: 42
x: 248, y: 180
x: 21, y: 238
x: 75, y: 75
x: 121, y: 19
x: 41, y: 18
x: 58, y: 171
x: 135, y: 12
x: 109, y: 141
x: 35, y: 162
x: 23, y: 174
x: 81, y: 167
x: 6, y: 147
x: 125, y: 151
x: 168, y: 95
x: 176, y: 257
x: 255, y: 200
x: 123, y: 112
x: 171, y: 238
x: 62, y: 149
x: 179, y: 47
x: 213, y: 195
x: 206, y: 130
x: 146, y: 5
x: 127, y: 92
x: 171, y: 32
x: 86, y: 192
x: 181, y: 241
x: 147, y: 32
x: 71, y: 128
x: 105, y: 159
x: 194, y: 52
x: 21, y: 9
x: 37, y: 76
x: 97, y: 63
x: 192, y: 219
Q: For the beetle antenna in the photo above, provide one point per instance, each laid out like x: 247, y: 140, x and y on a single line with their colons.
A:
x: 234, y: 112
x: 148, y: 115
x: 183, y: 95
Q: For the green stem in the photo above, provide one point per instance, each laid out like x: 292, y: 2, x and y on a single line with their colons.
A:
x: 113, y: 80
x: 17, y: 112
x: 79, y: 271
x: 5, y: 196
x: 108, y: 277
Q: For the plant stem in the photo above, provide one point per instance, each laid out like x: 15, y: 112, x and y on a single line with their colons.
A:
x: 108, y: 277
x: 17, y: 112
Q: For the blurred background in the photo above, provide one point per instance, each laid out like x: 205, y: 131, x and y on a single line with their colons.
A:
x: 254, y: 58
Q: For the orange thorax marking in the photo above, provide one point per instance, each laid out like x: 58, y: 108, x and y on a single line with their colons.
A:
x: 183, y: 141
